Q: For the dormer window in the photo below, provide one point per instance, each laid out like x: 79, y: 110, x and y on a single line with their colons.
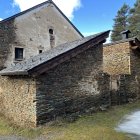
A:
x: 52, y: 38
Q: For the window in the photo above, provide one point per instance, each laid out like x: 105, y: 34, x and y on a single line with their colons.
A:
x: 51, y: 31
x: 52, y: 38
x: 18, y: 53
x: 40, y: 51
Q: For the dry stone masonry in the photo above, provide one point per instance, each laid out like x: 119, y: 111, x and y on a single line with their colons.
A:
x: 66, y: 81
x: 73, y: 87
x: 17, y: 100
x: 72, y: 75
x: 121, y: 61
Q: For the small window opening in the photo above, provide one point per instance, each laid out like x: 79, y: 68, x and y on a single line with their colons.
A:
x: 51, y: 31
x: 19, y: 53
x: 52, y: 38
x: 40, y: 51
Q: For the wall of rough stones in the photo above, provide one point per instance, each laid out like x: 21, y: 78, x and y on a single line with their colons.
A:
x: 121, y: 62
x: 126, y: 89
x: 135, y: 72
x: 116, y: 58
x: 74, y: 87
x: 7, y: 37
x: 17, y: 100
x: 31, y: 32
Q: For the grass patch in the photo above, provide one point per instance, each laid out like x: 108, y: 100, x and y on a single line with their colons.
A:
x: 98, y: 126
x: 9, y: 129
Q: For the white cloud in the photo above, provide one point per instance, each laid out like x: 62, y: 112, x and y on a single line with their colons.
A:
x: 1, y: 19
x: 67, y: 7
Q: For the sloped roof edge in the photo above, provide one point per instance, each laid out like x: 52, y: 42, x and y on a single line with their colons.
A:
x: 120, y: 41
x: 24, y: 12
x: 39, y: 5
x: 24, y: 67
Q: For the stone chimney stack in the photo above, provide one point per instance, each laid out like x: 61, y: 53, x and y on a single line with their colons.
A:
x: 125, y: 34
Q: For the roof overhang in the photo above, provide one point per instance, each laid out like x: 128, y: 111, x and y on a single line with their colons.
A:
x: 120, y: 41
x: 14, y: 73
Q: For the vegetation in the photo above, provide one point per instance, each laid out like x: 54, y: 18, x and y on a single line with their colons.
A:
x: 98, y: 126
x: 9, y: 129
x: 134, y: 22
x: 120, y: 23
x: 127, y: 19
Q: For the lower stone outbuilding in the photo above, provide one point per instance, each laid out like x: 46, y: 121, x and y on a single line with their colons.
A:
x: 63, y: 81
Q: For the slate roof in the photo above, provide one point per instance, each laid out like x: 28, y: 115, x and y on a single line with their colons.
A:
x: 120, y: 41
x: 23, y: 67
x: 37, y: 6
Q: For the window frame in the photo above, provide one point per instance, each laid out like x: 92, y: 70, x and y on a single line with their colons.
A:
x: 19, y: 54
x: 52, y: 37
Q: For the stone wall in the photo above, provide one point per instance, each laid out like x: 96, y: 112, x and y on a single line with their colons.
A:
x: 135, y: 71
x: 116, y: 58
x: 122, y: 63
x: 17, y: 100
x: 7, y: 38
x: 123, y: 89
x: 31, y: 32
x: 74, y: 87
x: 70, y: 89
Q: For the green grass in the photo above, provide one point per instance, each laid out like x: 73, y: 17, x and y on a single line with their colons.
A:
x: 7, y: 129
x: 98, y: 126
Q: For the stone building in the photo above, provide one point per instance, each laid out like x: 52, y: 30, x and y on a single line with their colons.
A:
x: 34, y: 31
x: 65, y: 80
x: 48, y: 69
x: 121, y: 60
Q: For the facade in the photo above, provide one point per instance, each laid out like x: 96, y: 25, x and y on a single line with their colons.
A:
x: 34, y: 31
x: 66, y: 80
x: 121, y: 61
x: 49, y: 70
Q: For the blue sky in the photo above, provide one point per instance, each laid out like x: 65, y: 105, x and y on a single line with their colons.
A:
x: 97, y: 15
x: 89, y: 16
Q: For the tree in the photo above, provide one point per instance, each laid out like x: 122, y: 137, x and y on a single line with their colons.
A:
x: 134, y: 19
x: 120, y: 22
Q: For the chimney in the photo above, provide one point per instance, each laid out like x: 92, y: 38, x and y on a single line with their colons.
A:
x: 125, y: 34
